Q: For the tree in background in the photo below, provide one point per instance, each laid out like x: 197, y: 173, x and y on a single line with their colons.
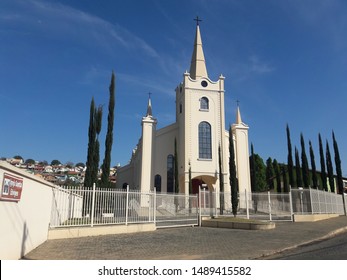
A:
x: 285, y: 179
x: 313, y: 167
x: 91, y: 145
x: 55, y: 162
x: 339, y: 172
x: 290, y: 160
x: 270, y: 174
x: 29, y: 161
x: 298, y: 169
x: 221, y: 181
x: 330, y: 169
x: 338, y: 166
x: 96, y: 156
x: 258, y: 179
x: 253, y: 170
x: 232, y: 171
x: 109, y: 136
x: 304, y: 162
x: 95, y: 118
x: 176, y: 176
x: 323, y: 173
x: 277, y: 171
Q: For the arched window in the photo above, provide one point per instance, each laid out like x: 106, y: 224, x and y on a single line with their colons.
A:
x: 157, y: 182
x: 170, y: 173
x: 205, y: 150
x: 204, y: 103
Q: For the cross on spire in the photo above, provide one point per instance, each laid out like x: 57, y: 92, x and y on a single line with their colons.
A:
x: 237, y: 102
x: 197, y: 20
x: 149, y: 95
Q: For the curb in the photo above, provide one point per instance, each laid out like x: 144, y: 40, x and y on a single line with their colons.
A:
x: 306, y: 243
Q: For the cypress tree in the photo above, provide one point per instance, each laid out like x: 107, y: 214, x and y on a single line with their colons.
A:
x: 285, y: 180
x: 298, y: 169
x: 278, y: 175
x: 176, y: 175
x: 260, y: 174
x: 338, y: 166
x: 96, y: 154
x: 330, y: 169
x: 190, y: 187
x: 91, y: 146
x: 221, y: 181
x: 109, y: 136
x: 253, y: 170
x: 339, y: 172
x: 323, y: 173
x: 313, y: 167
x: 232, y: 171
x: 270, y: 174
x: 290, y: 160
x: 305, y: 170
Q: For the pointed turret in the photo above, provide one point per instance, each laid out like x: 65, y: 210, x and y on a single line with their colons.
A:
x: 238, y: 115
x: 149, y: 108
x: 198, y: 65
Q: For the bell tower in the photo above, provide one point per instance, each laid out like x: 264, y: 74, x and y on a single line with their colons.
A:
x: 201, y: 121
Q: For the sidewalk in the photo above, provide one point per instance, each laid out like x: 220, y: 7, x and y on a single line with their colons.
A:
x: 194, y: 243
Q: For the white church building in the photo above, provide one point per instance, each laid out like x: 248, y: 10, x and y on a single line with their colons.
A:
x: 199, y: 130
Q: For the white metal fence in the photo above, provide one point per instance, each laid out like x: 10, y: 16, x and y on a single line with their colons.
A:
x: 313, y: 201
x: 272, y: 206
x: 91, y: 206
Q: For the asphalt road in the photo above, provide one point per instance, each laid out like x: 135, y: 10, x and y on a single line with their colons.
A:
x: 334, y: 248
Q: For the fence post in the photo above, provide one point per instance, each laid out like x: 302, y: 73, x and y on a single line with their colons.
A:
x: 269, y: 200
x: 127, y: 206
x: 93, y: 206
x: 217, y: 195
x: 199, y: 202
x: 291, y: 205
x: 247, y: 208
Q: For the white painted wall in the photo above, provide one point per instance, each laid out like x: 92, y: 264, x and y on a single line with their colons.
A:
x: 24, y: 224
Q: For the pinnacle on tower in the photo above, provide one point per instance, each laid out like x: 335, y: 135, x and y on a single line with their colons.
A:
x: 149, y: 106
x: 238, y: 114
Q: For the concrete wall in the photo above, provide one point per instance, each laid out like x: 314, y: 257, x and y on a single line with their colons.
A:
x: 24, y: 224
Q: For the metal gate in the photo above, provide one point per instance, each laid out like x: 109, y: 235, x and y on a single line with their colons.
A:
x: 174, y: 210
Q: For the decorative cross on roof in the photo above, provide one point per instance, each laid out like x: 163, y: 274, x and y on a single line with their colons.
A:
x: 197, y: 20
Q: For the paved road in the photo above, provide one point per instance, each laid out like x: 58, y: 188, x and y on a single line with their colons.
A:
x: 334, y: 248
x: 193, y: 243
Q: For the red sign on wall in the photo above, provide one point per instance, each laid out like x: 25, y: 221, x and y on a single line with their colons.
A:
x: 11, y: 188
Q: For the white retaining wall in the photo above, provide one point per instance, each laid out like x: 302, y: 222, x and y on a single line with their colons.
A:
x: 24, y: 224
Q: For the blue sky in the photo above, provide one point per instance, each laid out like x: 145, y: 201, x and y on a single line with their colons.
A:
x: 286, y: 61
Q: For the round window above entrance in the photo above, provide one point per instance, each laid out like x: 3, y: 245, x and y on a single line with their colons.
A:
x: 204, y: 83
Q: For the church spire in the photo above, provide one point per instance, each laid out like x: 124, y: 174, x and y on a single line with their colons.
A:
x: 149, y: 106
x: 198, y: 65
x: 238, y: 114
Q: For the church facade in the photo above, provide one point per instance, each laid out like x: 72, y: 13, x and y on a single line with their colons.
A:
x: 194, y: 139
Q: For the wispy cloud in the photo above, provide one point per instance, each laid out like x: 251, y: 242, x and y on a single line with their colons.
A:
x: 70, y: 23
x: 257, y: 66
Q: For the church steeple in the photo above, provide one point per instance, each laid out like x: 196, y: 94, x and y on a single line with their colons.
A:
x: 198, y: 65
